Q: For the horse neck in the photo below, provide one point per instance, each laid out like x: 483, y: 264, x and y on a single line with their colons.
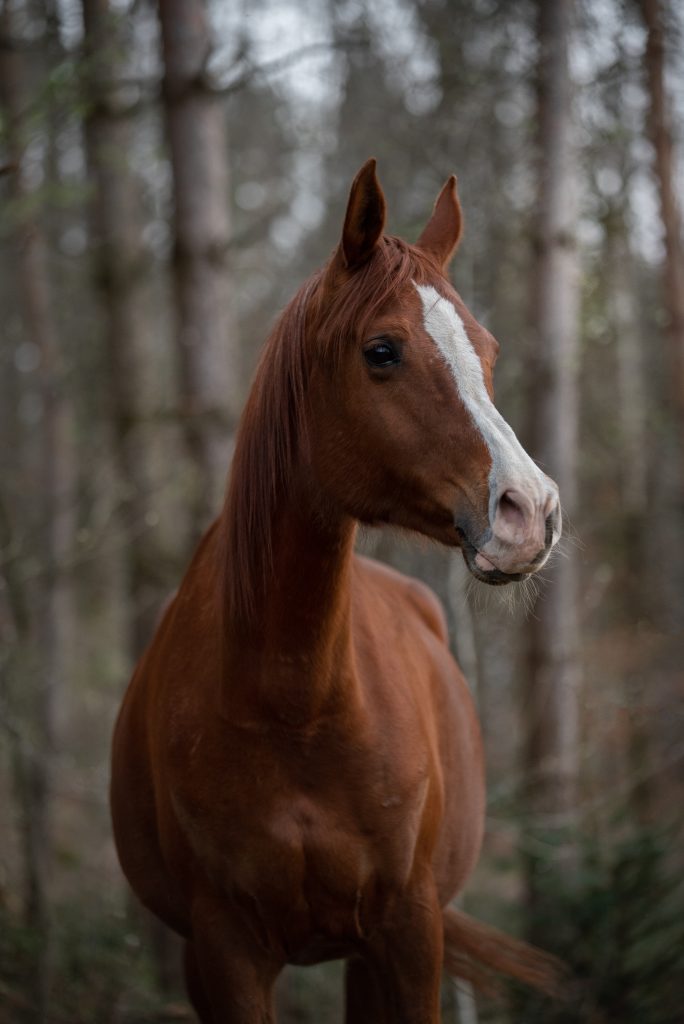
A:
x: 294, y: 660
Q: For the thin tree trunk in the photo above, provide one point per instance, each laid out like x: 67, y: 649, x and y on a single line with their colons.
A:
x: 123, y: 274
x: 465, y: 1003
x: 660, y: 131
x: 631, y: 400
x: 630, y: 379
x: 669, y: 475
x: 208, y: 352
x: 122, y: 268
x: 43, y: 667
x: 551, y: 705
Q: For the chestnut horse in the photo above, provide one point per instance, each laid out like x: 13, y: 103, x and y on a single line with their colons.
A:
x: 297, y: 769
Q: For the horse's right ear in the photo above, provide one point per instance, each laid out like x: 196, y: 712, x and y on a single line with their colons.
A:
x: 364, y: 221
x: 443, y: 231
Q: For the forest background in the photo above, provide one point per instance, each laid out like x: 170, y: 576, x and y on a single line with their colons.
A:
x: 169, y: 174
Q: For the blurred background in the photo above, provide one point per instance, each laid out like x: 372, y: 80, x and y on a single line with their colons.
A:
x: 169, y: 174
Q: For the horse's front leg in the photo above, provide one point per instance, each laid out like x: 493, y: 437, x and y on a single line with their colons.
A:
x: 233, y: 961
x: 364, y: 993
x: 407, y: 958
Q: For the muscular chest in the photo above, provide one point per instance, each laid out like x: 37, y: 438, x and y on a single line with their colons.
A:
x: 325, y: 876
x: 316, y: 851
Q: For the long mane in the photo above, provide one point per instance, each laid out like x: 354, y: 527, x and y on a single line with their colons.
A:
x: 274, y: 424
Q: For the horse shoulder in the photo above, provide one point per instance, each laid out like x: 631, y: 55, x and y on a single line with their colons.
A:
x: 408, y: 629
x: 415, y: 596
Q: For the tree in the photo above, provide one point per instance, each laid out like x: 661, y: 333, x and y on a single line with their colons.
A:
x: 207, y: 345
x: 660, y: 131
x: 671, y: 469
x: 122, y: 273
x: 41, y: 609
x: 552, y: 687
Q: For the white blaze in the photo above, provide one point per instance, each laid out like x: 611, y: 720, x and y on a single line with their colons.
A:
x: 511, y: 465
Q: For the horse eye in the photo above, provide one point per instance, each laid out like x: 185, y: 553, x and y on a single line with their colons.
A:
x: 382, y: 353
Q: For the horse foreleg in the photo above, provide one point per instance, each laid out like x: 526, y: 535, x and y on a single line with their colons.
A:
x: 195, y: 986
x: 364, y: 997
x: 230, y: 975
x: 408, y: 958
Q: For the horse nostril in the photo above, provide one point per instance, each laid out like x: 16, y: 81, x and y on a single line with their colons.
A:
x: 548, y: 530
x: 553, y: 523
x: 511, y: 509
x: 524, y: 527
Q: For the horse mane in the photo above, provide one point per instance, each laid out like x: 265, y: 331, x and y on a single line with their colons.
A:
x: 274, y: 425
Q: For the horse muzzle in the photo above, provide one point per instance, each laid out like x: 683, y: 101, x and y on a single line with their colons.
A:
x: 520, y: 539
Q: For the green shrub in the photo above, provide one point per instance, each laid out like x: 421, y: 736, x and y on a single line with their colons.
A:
x: 619, y: 925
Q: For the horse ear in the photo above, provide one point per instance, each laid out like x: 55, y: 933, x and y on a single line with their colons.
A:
x: 442, y: 232
x: 365, y: 218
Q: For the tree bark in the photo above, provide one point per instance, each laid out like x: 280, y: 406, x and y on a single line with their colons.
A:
x: 122, y: 274
x: 630, y: 374
x: 463, y: 640
x: 551, y: 696
x: 42, y: 665
x: 208, y: 351
x: 669, y: 475
x: 660, y: 132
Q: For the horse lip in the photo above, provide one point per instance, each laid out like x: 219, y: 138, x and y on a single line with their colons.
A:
x: 493, y: 577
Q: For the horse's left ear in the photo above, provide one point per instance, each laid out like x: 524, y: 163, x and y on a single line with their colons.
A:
x: 365, y: 218
x: 443, y: 231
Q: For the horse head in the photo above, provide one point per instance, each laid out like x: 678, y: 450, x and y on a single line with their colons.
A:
x: 404, y: 427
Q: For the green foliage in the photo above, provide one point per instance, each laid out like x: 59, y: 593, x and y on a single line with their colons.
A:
x: 100, y: 970
x: 17, y: 952
x: 619, y: 925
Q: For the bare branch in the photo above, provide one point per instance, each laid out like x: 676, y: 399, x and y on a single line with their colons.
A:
x: 284, y: 63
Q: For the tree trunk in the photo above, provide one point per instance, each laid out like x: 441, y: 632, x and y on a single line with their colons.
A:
x: 208, y: 352
x: 660, y: 132
x: 630, y: 376
x: 669, y: 476
x: 122, y: 272
x: 551, y: 703
x: 463, y: 640
x: 637, y: 558
x: 43, y: 664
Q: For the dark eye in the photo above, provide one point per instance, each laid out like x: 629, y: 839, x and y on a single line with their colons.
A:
x: 381, y: 354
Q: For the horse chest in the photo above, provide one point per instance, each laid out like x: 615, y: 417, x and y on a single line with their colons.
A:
x: 331, y: 882
x: 313, y: 848
x: 317, y: 875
